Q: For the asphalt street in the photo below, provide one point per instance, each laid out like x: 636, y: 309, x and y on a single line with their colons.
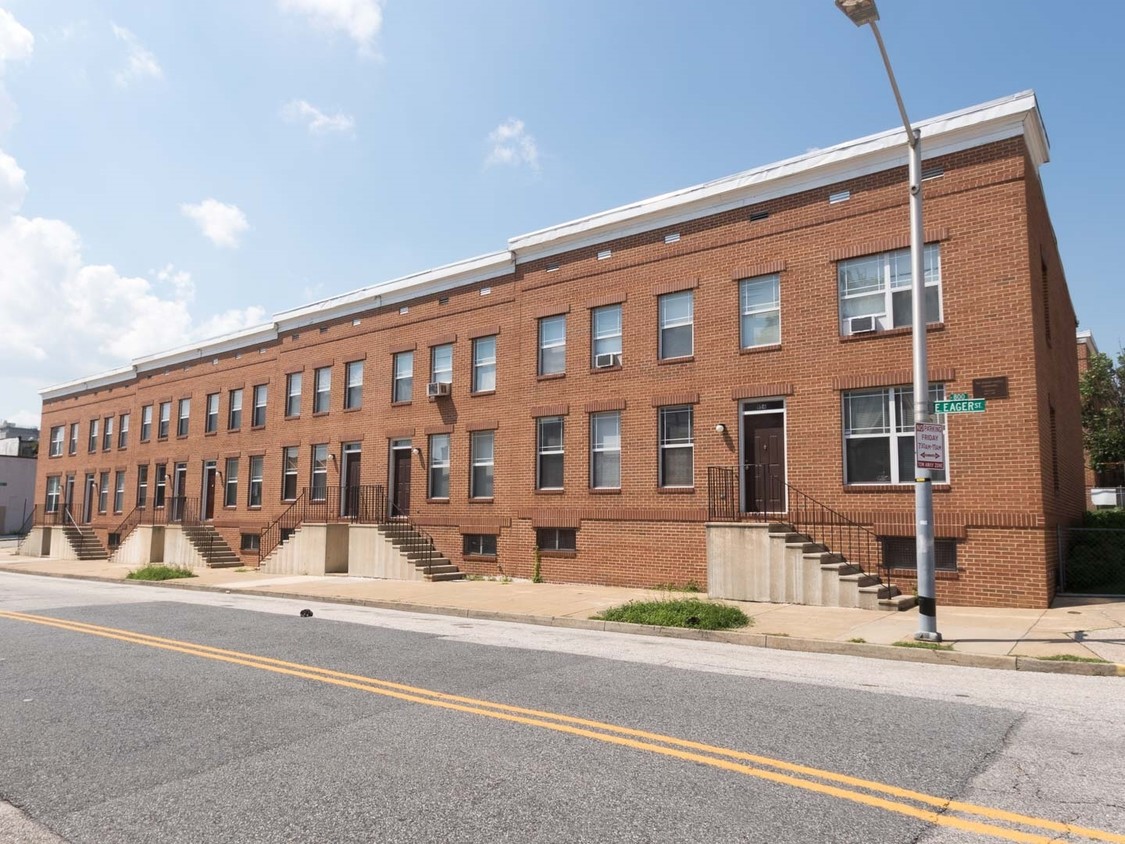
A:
x: 120, y: 722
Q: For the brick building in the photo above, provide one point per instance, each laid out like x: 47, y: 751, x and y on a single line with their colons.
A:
x: 596, y: 383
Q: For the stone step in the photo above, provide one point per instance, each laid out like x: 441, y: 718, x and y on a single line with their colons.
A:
x: 453, y: 575
x: 442, y: 565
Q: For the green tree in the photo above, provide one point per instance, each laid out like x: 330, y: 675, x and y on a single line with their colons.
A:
x: 1103, y: 410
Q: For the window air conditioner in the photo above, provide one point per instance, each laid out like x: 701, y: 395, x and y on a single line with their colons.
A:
x: 606, y: 361
x: 436, y: 389
x: 862, y: 324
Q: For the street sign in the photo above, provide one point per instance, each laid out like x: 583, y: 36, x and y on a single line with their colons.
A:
x: 929, y: 445
x: 959, y: 403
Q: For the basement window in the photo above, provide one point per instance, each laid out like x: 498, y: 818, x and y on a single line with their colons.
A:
x: 901, y: 552
x: 556, y: 539
x: 249, y: 542
x: 479, y: 544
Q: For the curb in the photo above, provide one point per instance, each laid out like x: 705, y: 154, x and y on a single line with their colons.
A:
x: 746, y: 639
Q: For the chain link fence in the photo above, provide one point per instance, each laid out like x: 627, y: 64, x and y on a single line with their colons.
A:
x: 1092, y: 561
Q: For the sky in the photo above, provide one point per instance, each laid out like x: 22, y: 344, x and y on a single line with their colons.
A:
x: 171, y: 171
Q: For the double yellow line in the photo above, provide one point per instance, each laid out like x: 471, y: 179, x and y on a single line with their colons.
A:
x: 901, y: 801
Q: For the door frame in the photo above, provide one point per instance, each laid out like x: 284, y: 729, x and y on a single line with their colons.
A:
x: 348, y: 506
x: 207, y: 490
x: 743, y: 412
x: 400, y: 444
x: 91, y: 489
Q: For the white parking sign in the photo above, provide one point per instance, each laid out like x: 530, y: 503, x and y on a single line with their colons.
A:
x: 929, y: 445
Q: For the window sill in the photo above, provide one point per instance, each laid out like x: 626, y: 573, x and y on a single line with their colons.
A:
x: 210, y: 433
x: 353, y: 409
x: 675, y: 490
x: 566, y: 555
x: 605, y: 491
x: 237, y: 430
x: 317, y: 413
x: 481, y: 500
x: 549, y: 492
x: 594, y: 370
x: 902, y: 331
x: 437, y: 500
x: 479, y: 558
x: 476, y: 393
x: 163, y: 439
x: 670, y: 361
x: 290, y: 418
x: 261, y: 427
x: 406, y: 403
x: 900, y: 488
x: 230, y: 506
x: 253, y: 506
x: 757, y: 350
x: 551, y: 376
x: 146, y: 441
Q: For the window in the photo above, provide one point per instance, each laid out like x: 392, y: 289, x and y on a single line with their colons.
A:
x: 319, y: 481
x: 183, y: 417
x: 479, y: 544
x: 481, y: 445
x: 103, y: 492
x: 123, y: 431
x: 142, y: 486
x: 606, y: 331
x: 211, y: 420
x: 288, y: 473
x: 879, y: 435
x: 107, y: 433
x: 165, y: 420
x: 677, y: 318
x: 439, y: 466
x: 92, y: 443
x: 73, y: 438
x: 249, y: 543
x: 552, y: 345
x: 119, y: 492
x: 234, y: 410
x: 54, y: 486
x: 556, y: 539
x: 878, y: 286
x: 605, y: 450
x: 254, y: 496
x: 258, y: 413
x: 549, y: 468
x: 760, y: 302
x: 441, y: 364
x: 484, y: 364
x: 293, y: 394
x: 56, y: 441
x: 901, y: 552
x: 146, y: 423
x: 160, y: 484
x: 677, y: 447
x: 403, y: 389
x: 353, y: 385
x: 230, y: 483
x: 322, y: 389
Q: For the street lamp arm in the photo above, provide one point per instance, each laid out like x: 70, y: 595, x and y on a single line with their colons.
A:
x: 911, y: 135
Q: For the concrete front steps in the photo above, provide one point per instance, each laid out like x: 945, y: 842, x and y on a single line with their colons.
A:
x: 419, y: 549
x: 212, y: 548
x: 85, y: 543
x: 773, y: 563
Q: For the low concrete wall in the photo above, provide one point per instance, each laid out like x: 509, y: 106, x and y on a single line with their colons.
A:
x: 143, y: 545
x: 37, y: 543
x: 178, y: 550
x: 371, y: 554
x: 738, y: 561
x: 59, y: 545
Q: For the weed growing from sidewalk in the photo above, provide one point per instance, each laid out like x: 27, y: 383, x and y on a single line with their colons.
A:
x: 928, y: 646
x: 690, y: 586
x: 684, y: 612
x: 859, y: 640
x: 1072, y: 658
x: 159, y: 572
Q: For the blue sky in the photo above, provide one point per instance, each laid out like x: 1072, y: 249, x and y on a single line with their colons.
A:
x: 171, y: 170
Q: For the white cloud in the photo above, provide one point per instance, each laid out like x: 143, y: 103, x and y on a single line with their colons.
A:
x: 361, y: 20
x: 140, y: 64
x: 221, y: 223
x: 16, y: 45
x: 315, y: 120
x: 512, y: 144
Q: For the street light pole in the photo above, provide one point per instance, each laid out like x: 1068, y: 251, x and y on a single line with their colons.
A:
x: 862, y: 12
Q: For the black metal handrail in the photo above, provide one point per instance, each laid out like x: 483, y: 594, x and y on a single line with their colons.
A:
x: 117, y: 536
x: 281, y: 528
x: 774, y: 499
x: 25, y: 529
x: 48, y: 515
x: 351, y: 504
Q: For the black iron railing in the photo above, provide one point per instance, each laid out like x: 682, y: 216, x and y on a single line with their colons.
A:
x: 771, y: 498
x: 25, y: 529
x: 117, y: 536
x: 324, y: 505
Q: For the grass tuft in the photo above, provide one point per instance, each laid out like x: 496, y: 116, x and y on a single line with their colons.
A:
x: 683, y: 612
x: 859, y: 640
x: 155, y: 571
x: 690, y: 586
x: 1072, y: 658
x: 928, y: 646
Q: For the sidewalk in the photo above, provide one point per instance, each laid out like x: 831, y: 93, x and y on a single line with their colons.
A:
x: 1091, y: 628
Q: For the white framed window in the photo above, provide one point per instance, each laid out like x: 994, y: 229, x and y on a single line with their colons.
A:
x: 289, y: 460
x: 549, y: 447
x: 123, y: 431
x: 183, y: 417
x: 254, y: 488
x: 677, y: 447
x: 353, y: 385
x: 484, y: 364
x: 103, y: 492
x: 403, y: 387
x: 605, y: 450
x: 56, y: 441
x: 230, y: 483
x: 556, y: 539
x: 552, y: 345
x: 54, y: 487
x: 319, y: 481
x: 322, y: 389
x: 211, y: 417
x: 165, y: 420
x: 258, y: 413
x: 107, y: 433
x: 73, y: 449
x: 119, y: 492
x: 441, y: 364
x: 605, y: 329
x: 478, y: 544
x: 481, y: 458
x: 293, y: 394
x: 439, y: 466
x: 234, y: 410
x: 160, y: 485
x: 677, y: 324
x: 92, y: 444
x: 879, y: 435
x: 142, y: 486
x: 875, y: 291
x: 146, y: 423
x: 760, y: 305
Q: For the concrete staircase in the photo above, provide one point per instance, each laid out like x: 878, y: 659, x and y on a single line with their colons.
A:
x: 211, y: 547
x: 85, y: 543
x: 419, y: 550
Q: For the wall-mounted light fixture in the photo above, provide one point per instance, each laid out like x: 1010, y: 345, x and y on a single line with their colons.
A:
x: 720, y: 428
x: 417, y: 451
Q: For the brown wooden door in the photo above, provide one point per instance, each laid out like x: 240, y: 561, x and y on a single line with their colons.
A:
x: 400, y: 475
x: 88, y: 500
x: 764, y: 470
x: 209, y: 491
x: 351, y: 484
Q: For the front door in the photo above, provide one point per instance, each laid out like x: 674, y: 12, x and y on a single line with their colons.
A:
x: 400, y: 478
x: 763, y: 455
x: 179, y: 484
x: 68, y: 500
x: 349, y: 506
x: 209, y: 472
x: 88, y: 501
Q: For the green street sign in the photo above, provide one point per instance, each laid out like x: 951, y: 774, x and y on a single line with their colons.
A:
x: 959, y: 403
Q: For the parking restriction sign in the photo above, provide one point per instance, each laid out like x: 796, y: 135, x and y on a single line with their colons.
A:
x: 929, y: 445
